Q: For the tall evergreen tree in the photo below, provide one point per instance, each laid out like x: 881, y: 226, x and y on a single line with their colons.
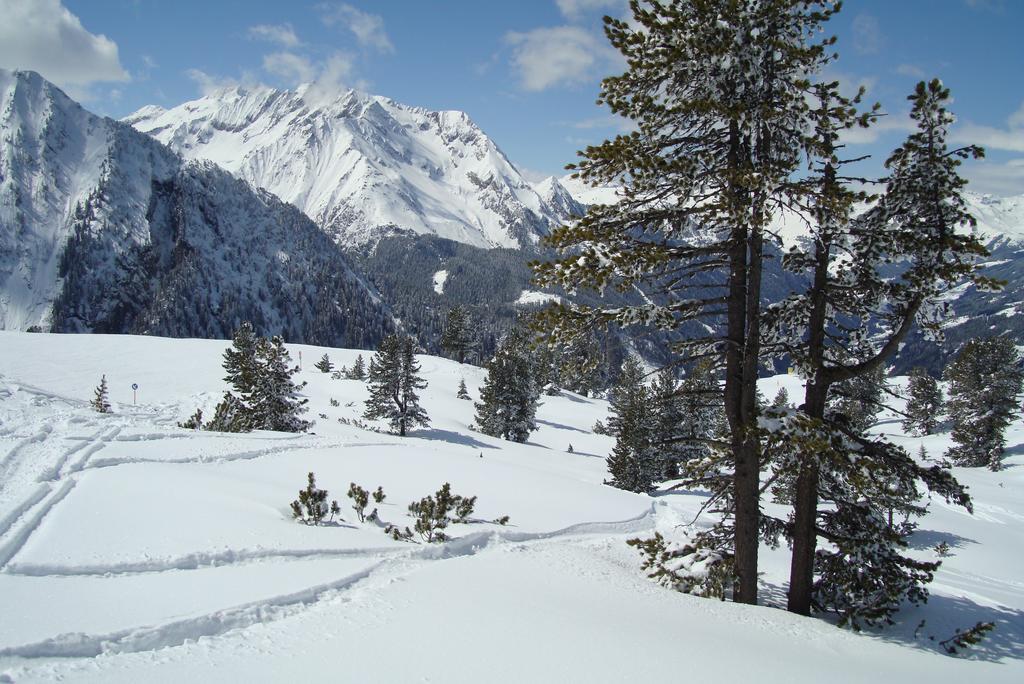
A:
x: 984, y: 383
x: 457, y: 338
x: 509, y: 396
x: 634, y: 464
x: 717, y: 91
x: 924, y: 402
x: 240, y: 359
x: 393, y: 382
x: 274, y: 402
x: 854, y: 316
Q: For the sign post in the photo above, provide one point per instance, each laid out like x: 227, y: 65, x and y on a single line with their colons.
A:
x: 135, y: 392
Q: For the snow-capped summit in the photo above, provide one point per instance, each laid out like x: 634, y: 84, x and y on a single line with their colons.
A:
x: 104, y: 229
x: 360, y: 165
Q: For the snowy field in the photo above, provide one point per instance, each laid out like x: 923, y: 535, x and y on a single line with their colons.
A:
x: 133, y: 550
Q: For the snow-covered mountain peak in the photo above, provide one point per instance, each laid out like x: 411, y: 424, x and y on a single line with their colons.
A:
x: 361, y: 164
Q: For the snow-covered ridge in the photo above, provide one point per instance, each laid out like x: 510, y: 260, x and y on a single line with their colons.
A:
x: 104, y: 229
x: 360, y: 164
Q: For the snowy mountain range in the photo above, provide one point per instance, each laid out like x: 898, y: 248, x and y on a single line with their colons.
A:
x: 106, y: 229
x: 361, y: 165
x: 103, y: 229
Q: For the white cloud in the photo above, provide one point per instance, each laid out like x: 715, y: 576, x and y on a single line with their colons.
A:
x: 546, y: 57
x: 900, y: 123
x: 1003, y: 179
x: 1010, y: 139
x: 209, y: 84
x: 367, y: 28
x: 867, y: 34
x: 282, y: 34
x: 572, y: 9
x: 909, y: 70
x: 42, y: 35
x: 290, y: 67
x: 333, y: 79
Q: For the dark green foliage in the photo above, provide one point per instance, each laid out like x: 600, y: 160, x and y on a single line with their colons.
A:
x: 692, y: 568
x: 634, y: 463
x: 394, y: 379
x: 433, y: 513
x: 360, y: 500
x: 857, y: 401
x: 463, y: 393
x: 509, y: 397
x: 924, y: 403
x: 274, y: 403
x: 984, y: 382
x: 397, y: 533
x: 358, y: 371
x: 969, y: 637
x: 324, y: 365
x: 866, y: 577
x: 230, y: 415
x: 698, y: 440
x: 195, y: 421
x: 240, y: 362
x: 503, y: 520
x: 260, y: 371
x: 379, y: 495
x: 311, y: 506
x: 457, y: 338
x: 100, y: 402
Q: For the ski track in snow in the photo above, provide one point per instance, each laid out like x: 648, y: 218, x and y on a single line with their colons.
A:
x: 396, y: 564
x: 57, y: 479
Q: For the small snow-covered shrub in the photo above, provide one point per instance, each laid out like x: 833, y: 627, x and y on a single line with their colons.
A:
x: 360, y: 499
x: 311, y: 506
x: 433, y: 513
x: 100, y: 403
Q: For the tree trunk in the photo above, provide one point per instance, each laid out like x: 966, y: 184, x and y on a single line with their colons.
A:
x: 747, y: 475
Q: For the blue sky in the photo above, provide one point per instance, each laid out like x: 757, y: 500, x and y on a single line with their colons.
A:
x: 527, y: 71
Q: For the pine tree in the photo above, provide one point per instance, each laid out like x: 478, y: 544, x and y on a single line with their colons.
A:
x: 924, y: 403
x: 634, y: 463
x: 984, y: 382
x: 274, y: 403
x: 702, y: 428
x: 230, y: 415
x: 668, y: 405
x: 393, y: 381
x: 457, y: 338
x: 853, y: 316
x: 858, y: 400
x: 324, y: 365
x: 718, y: 94
x: 240, y: 359
x: 100, y: 402
x: 463, y: 393
x: 358, y: 371
x: 509, y: 396
x: 582, y: 365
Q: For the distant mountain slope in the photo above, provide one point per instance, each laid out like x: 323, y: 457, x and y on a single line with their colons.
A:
x: 361, y: 165
x: 103, y: 229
